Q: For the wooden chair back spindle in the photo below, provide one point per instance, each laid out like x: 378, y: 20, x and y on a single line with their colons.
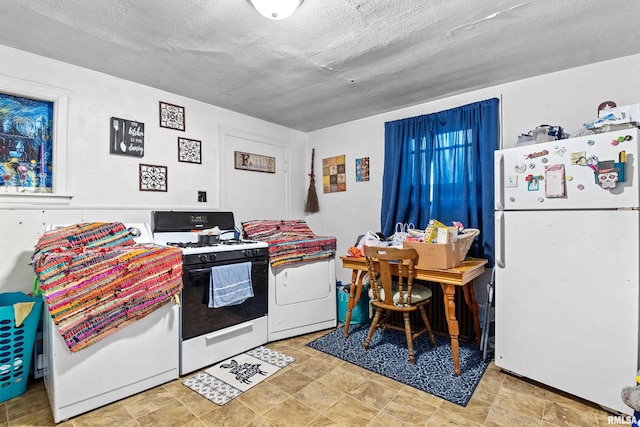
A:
x: 383, y: 263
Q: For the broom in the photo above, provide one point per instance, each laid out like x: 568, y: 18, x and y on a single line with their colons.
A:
x: 312, y: 197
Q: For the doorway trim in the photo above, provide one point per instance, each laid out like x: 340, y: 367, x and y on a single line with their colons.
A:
x: 224, y: 133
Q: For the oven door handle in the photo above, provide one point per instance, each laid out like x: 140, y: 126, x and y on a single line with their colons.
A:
x: 200, y: 270
x: 208, y: 269
x: 229, y: 330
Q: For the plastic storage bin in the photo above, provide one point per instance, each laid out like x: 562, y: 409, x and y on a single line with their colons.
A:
x: 16, y: 342
x: 360, y: 313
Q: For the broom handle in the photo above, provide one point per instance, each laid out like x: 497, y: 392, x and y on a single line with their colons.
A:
x: 313, y: 155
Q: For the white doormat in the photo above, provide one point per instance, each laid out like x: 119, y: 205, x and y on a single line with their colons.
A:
x: 232, y: 377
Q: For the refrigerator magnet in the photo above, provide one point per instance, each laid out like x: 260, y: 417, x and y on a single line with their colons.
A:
x: 511, y: 181
x: 537, y: 154
x: 554, y: 181
x: 579, y: 158
x: 609, y: 173
x: 534, y: 183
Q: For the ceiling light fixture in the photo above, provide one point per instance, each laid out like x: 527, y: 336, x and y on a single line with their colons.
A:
x: 276, y: 9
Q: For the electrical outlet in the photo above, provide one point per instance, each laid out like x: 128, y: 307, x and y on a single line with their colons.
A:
x: 202, y: 196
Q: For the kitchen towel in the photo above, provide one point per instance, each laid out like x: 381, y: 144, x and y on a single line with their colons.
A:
x: 230, y: 284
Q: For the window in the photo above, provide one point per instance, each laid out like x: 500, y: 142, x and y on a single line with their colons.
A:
x: 28, y: 138
x: 440, y: 166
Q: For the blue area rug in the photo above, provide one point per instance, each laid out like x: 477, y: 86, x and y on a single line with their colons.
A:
x: 388, y: 355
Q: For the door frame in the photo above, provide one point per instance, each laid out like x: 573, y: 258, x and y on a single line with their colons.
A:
x: 223, y: 134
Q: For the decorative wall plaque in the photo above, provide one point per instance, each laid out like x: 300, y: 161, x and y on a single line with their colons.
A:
x: 362, y: 169
x: 333, y: 174
x: 189, y: 150
x: 127, y: 137
x: 171, y: 116
x: 254, y: 162
x: 153, y: 178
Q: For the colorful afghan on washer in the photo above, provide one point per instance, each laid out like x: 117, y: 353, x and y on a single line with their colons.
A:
x: 95, y: 279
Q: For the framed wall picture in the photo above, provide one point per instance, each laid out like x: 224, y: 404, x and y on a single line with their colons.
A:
x: 254, y: 162
x: 153, y: 178
x: 26, y: 144
x: 189, y: 150
x: 126, y: 137
x: 172, y: 116
x: 362, y: 169
x: 333, y: 174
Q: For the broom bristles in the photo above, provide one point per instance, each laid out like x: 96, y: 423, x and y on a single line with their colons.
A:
x: 312, y: 199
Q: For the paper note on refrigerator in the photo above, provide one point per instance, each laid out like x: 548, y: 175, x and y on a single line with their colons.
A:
x: 554, y: 181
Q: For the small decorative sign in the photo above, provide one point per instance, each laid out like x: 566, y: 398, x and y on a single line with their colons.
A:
x: 254, y: 162
x: 153, y: 178
x: 362, y: 169
x: 171, y: 116
x: 333, y: 174
x: 127, y: 137
x: 189, y: 150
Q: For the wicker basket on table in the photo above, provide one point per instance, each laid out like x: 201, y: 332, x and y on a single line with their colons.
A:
x: 466, y: 239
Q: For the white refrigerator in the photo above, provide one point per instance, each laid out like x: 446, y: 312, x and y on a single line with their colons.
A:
x: 567, y: 296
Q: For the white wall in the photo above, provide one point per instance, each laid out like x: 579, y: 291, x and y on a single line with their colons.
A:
x: 105, y: 187
x: 568, y: 99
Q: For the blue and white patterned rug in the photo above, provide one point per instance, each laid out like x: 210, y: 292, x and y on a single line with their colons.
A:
x: 232, y: 377
x: 388, y: 355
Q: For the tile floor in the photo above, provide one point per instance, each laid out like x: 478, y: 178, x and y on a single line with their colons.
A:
x: 320, y: 390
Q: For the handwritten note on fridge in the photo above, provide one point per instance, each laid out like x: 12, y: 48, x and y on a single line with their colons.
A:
x: 554, y: 181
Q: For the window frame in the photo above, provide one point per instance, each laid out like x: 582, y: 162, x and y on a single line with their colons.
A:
x: 60, y: 99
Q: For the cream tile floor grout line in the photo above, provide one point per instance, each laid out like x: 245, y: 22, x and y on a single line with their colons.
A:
x: 320, y: 390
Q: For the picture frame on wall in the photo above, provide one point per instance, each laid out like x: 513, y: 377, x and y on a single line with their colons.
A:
x: 126, y: 137
x: 26, y: 144
x: 362, y: 169
x: 153, y: 178
x: 189, y: 150
x: 254, y: 162
x: 172, y: 116
x: 333, y: 174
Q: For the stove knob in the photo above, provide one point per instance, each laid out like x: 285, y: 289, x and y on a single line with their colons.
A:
x: 213, y: 257
x: 202, y: 258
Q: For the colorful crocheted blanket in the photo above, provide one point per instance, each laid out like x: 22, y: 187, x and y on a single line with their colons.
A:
x: 95, y: 279
x: 290, y: 241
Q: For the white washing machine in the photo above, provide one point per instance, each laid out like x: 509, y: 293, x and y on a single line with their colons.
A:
x: 302, y: 298
x: 140, y: 356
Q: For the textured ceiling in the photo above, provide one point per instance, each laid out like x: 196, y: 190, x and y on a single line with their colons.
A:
x: 333, y: 61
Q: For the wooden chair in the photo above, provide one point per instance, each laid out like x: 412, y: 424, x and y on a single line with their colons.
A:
x: 384, y: 263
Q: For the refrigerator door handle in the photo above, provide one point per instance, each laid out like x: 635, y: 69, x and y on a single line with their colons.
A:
x: 499, y: 234
x: 499, y: 180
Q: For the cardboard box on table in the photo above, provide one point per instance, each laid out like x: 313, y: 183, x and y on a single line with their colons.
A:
x: 436, y: 255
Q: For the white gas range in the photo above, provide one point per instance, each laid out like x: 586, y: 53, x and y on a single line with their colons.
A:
x: 209, y: 335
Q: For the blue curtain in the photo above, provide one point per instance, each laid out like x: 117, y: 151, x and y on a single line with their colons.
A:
x: 440, y: 166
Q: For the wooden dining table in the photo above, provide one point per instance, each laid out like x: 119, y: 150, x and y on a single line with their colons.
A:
x: 449, y: 279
